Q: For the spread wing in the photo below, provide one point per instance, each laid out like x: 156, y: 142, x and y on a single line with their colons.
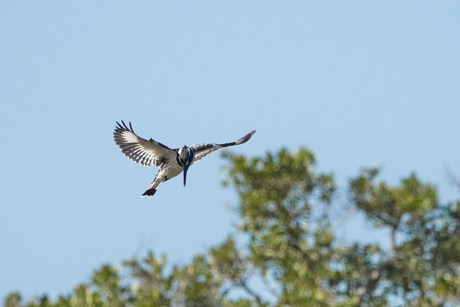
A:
x: 202, y: 150
x: 140, y: 150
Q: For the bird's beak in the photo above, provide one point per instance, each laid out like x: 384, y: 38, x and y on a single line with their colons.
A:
x: 185, y: 174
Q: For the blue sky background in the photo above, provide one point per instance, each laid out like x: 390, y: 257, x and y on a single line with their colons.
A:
x: 358, y: 82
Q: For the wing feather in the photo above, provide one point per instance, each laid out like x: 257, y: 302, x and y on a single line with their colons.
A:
x: 202, y: 150
x: 139, y: 150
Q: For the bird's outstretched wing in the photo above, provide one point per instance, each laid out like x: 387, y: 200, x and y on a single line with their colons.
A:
x: 146, y: 153
x: 202, y: 150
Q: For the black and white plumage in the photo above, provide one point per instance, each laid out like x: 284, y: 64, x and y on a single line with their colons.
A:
x: 171, y: 162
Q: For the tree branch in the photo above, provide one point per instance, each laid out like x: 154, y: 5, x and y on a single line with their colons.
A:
x: 243, y: 284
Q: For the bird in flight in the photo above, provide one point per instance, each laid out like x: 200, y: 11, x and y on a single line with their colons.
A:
x: 171, y: 162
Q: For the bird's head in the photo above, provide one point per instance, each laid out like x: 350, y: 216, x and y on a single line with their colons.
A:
x: 186, y: 158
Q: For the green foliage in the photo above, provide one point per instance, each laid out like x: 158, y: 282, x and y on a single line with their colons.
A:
x: 13, y: 300
x: 284, y: 211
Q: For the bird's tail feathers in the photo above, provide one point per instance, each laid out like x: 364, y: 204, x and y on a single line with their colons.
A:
x: 149, y: 192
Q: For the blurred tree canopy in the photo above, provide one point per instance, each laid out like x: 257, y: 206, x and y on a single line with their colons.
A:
x: 285, y: 239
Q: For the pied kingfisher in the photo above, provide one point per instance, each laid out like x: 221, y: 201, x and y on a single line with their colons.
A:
x: 171, y: 162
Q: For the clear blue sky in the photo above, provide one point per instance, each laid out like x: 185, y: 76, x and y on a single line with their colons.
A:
x: 358, y: 82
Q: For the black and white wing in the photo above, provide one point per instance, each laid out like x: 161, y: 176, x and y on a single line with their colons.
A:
x: 146, y: 153
x: 202, y: 150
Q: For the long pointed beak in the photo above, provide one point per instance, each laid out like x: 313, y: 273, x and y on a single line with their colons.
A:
x: 185, y: 174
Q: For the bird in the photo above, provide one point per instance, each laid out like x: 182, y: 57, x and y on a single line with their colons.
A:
x: 170, y: 162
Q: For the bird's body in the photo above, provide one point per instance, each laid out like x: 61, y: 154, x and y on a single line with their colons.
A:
x: 166, y: 171
x: 171, y: 162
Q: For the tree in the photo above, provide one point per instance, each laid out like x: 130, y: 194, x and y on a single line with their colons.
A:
x: 285, y: 212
